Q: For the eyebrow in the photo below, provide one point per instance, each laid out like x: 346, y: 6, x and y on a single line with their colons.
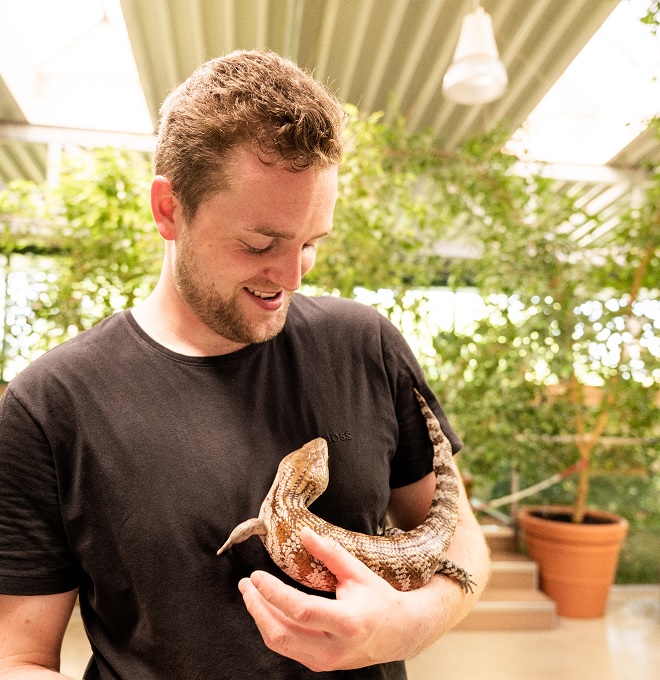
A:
x: 286, y: 235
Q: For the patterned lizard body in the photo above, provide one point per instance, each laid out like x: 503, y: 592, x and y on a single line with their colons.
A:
x: 405, y: 559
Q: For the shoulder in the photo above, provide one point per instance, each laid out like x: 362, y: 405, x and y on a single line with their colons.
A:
x: 77, y: 356
x: 332, y: 313
x: 347, y: 326
x: 325, y: 306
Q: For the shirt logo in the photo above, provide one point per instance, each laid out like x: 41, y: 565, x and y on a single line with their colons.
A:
x: 338, y: 437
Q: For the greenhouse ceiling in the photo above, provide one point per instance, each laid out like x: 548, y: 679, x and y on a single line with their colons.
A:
x: 583, y: 74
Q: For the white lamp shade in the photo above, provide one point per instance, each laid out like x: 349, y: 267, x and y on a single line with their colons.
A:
x: 476, y: 74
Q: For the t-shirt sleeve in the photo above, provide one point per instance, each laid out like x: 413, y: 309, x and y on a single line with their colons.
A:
x: 34, y: 554
x: 414, y: 454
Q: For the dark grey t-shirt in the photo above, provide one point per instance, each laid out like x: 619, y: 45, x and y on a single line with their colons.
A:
x: 124, y: 466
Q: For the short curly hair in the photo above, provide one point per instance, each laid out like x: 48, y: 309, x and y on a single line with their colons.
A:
x: 255, y: 99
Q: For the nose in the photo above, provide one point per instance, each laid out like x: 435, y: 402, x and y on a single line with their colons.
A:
x: 288, y: 268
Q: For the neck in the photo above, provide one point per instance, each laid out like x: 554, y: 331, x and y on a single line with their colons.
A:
x: 168, y: 320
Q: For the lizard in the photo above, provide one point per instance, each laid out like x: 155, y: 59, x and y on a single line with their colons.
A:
x: 405, y: 559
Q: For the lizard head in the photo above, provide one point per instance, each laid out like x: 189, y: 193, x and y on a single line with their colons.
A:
x: 307, y: 469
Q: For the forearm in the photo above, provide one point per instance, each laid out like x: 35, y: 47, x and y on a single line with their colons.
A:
x: 29, y: 672
x: 416, y: 619
x: 441, y: 604
x: 31, y: 632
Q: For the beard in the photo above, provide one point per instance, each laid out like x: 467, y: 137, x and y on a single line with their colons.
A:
x: 222, y: 314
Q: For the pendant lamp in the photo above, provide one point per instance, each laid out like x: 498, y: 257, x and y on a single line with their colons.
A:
x: 476, y: 75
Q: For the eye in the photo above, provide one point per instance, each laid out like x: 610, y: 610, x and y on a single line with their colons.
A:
x: 257, y: 251
x: 312, y: 244
x: 254, y: 249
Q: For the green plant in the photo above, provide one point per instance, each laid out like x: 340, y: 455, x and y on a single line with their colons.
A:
x: 75, y: 253
x: 652, y: 16
x: 530, y: 375
x: 566, y: 356
x: 565, y: 359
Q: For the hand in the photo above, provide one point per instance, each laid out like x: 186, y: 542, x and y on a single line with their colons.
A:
x: 366, y: 624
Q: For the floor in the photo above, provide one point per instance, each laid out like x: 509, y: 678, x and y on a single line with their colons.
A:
x: 623, y: 645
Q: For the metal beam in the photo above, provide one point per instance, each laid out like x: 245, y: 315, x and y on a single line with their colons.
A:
x: 355, y: 45
x: 41, y: 134
x: 325, y: 39
x: 412, y: 57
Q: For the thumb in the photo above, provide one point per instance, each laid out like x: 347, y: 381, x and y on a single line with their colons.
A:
x: 336, y: 558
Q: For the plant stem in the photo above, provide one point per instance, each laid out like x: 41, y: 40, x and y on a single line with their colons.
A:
x: 586, y: 444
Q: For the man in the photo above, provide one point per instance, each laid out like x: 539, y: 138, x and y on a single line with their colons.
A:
x: 128, y: 454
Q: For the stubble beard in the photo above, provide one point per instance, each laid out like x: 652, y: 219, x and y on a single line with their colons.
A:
x: 223, y: 315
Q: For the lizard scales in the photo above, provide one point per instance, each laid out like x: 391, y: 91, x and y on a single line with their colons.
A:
x: 405, y: 559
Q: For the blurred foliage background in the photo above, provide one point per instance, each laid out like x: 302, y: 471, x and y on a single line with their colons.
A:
x: 559, y: 360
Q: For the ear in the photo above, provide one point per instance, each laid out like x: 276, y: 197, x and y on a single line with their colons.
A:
x: 163, y: 207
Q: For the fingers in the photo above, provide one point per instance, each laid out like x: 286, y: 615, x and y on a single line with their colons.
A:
x: 268, y: 597
x: 347, y: 568
x: 312, y: 647
x: 350, y: 631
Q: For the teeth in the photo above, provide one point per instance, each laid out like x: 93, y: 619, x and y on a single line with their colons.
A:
x: 263, y: 296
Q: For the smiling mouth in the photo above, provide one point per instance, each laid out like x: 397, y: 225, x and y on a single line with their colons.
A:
x: 262, y: 295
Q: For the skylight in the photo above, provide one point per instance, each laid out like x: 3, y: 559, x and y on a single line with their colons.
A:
x: 73, y: 67
x: 604, y: 98
x: 69, y: 63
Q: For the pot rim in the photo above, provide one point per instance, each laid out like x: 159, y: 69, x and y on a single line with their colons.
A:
x: 525, y: 513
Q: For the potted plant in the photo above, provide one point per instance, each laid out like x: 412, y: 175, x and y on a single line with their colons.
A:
x: 564, y: 361
x: 578, y: 547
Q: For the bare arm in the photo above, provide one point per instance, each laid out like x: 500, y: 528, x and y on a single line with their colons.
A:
x: 370, y: 622
x: 467, y: 549
x: 31, y: 632
x: 409, y: 505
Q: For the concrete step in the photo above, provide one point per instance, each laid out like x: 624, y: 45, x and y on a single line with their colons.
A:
x: 511, y: 609
x: 512, y: 600
x: 513, y: 571
x: 500, y: 538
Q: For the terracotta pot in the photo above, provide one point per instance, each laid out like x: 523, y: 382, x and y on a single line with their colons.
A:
x: 577, y: 562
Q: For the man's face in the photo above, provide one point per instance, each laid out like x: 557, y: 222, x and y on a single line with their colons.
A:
x: 245, y: 252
